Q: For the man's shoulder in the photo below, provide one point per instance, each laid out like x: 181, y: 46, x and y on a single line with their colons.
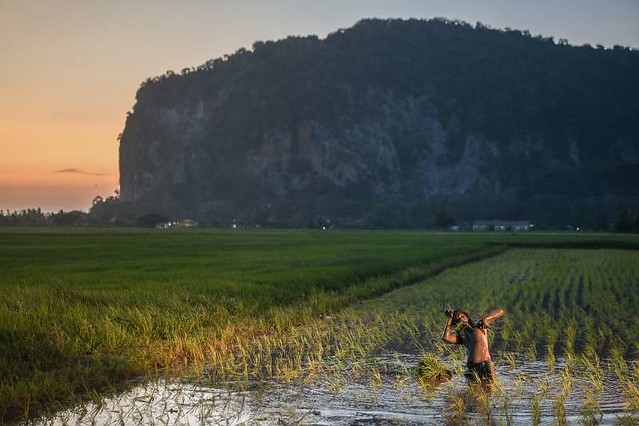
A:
x: 481, y: 325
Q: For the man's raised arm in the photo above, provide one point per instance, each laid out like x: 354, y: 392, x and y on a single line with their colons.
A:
x: 491, y: 317
x: 449, y: 337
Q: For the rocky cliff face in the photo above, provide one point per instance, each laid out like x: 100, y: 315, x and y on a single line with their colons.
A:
x: 463, y: 123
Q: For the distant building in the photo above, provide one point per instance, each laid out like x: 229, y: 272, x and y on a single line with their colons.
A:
x: 501, y: 225
x: 186, y: 223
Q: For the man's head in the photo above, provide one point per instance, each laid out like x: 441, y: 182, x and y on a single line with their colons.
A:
x: 460, y: 317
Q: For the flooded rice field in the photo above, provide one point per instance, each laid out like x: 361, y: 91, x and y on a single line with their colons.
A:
x: 382, y: 390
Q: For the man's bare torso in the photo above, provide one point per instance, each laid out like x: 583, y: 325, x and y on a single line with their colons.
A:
x: 475, y: 340
x: 473, y: 336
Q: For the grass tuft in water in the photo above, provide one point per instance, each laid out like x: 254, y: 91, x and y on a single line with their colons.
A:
x: 429, y: 369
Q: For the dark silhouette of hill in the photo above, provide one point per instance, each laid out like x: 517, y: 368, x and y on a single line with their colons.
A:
x: 390, y: 123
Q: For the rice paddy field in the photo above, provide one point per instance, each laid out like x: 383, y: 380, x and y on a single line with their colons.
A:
x: 203, y: 327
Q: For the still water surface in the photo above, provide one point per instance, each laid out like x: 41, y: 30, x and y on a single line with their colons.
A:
x: 391, y: 397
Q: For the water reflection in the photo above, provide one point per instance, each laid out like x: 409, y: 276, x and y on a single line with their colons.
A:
x: 384, y: 392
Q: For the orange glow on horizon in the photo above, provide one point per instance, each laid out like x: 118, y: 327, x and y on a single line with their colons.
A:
x: 54, y: 190
x: 58, y: 156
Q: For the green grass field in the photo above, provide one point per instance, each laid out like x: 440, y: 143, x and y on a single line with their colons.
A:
x: 82, y: 311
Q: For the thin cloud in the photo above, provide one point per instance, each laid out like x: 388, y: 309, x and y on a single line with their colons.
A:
x: 82, y: 172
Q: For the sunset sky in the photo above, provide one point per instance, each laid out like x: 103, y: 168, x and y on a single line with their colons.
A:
x: 69, y: 70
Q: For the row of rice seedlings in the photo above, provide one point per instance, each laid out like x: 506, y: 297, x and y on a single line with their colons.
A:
x: 628, y: 380
x: 360, y: 333
x: 593, y: 339
x: 307, y: 351
x: 594, y: 329
x: 301, y: 349
x: 630, y: 387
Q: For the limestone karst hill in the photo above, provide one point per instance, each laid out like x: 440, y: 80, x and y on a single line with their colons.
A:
x: 390, y: 123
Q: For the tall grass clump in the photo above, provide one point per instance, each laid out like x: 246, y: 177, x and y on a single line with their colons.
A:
x: 430, y: 369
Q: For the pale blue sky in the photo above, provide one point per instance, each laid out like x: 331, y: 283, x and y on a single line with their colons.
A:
x: 69, y: 69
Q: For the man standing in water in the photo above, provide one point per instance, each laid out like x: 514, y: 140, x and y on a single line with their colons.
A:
x: 474, y: 336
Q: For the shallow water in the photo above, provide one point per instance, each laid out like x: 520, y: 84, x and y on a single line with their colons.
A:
x: 392, y: 396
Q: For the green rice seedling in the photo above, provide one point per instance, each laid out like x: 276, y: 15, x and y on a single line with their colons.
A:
x: 535, y: 403
x: 531, y: 352
x: 455, y: 411
x: 505, y: 406
x: 570, y: 334
x: 550, y: 359
x: 401, y: 381
x: 543, y: 386
x: 631, y: 394
x: 592, y: 372
x: 591, y: 411
x: 430, y: 369
x: 618, y: 364
x: 510, y: 359
x: 505, y: 334
x: 591, y: 341
x: 335, y: 384
x: 518, y: 341
x: 552, y: 334
x: 376, y: 378
x: 427, y: 393
x: 629, y: 385
x: 483, y: 398
x: 559, y: 407
x: 566, y: 381
x: 628, y: 420
x: 519, y: 384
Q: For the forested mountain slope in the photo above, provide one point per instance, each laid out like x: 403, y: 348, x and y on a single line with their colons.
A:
x: 390, y: 123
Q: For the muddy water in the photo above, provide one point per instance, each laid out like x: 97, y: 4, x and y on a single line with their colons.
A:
x: 384, y: 391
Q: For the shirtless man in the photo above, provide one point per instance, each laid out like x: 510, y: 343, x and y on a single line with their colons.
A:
x: 474, y: 336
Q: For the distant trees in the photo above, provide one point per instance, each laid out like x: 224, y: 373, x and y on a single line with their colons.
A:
x: 109, y: 211
x: 27, y: 217
x: 72, y: 218
x: 36, y: 217
x: 113, y: 211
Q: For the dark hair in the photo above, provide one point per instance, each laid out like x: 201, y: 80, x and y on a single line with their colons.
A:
x: 459, y: 311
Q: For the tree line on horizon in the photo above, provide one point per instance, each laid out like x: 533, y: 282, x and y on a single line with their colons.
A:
x: 104, y: 212
x: 113, y: 212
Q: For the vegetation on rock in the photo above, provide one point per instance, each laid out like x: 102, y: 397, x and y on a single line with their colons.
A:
x: 391, y: 123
